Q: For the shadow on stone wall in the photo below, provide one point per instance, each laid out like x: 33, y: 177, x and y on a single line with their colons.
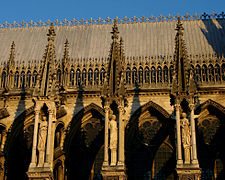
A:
x: 18, y: 146
x: 83, y: 142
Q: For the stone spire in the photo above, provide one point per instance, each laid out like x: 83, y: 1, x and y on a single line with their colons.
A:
x: 122, y: 88
x: 114, y: 98
x: 183, y: 79
x: 112, y: 85
x: 47, y: 77
x: 183, y: 95
x: 115, y: 31
x: 11, y: 61
x: 64, y: 66
x: 66, y: 53
x: 181, y: 63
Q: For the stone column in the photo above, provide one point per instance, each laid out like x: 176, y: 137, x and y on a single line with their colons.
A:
x: 193, y: 136
x: 179, y: 152
x: 63, y: 134
x: 49, y: 137
x: 3, y: 139
x: 106, y: 143
x: 1, y: 81
x: 12, y: 80
x: 34, y: 148
x: 51, y: 151
x: 121, y: 136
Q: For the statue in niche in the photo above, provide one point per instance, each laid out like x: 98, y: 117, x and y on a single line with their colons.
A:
x: 42, y: 138
x: 186, y: 138
x: 113, y: 140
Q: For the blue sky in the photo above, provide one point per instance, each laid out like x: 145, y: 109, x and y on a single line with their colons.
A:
x: 35, y: 10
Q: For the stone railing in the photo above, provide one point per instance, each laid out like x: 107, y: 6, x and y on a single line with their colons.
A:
x: 108, y: 20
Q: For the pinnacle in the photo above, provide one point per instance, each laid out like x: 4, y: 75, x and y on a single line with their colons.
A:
x: 66, y: 43
x: 51, y: 32
x: 115, y: 31
x: 13, y: 45
x: 12, y: 54
x: 66, y: 50
x: 121, y: 40
x: 179, y: 27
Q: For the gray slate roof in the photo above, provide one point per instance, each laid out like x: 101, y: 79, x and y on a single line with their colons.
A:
x: 93, y: 41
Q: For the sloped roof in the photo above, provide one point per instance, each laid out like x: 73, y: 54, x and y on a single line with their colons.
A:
x: 93, y: 41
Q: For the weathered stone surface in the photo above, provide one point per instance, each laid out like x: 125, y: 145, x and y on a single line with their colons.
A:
x: 145, y: 95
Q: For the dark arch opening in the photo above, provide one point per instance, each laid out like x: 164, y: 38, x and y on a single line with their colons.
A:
x: 150, y: 149
x: 210, y: 140
x: 83, y: 144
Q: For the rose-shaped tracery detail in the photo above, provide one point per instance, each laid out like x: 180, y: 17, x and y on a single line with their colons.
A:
x: 208, y: 128
x: 148, y: 130
x: 91, y: 130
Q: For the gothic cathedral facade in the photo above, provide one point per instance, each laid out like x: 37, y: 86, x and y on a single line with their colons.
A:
x: 146, y: 102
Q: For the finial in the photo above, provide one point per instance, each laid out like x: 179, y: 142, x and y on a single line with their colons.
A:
x: 51, y: 33
x: 121, y: 41
x: 12, y: 55
x: 179, y: 27
x: 13, y: 46
x: 115, y: 31
x: 66, y: 50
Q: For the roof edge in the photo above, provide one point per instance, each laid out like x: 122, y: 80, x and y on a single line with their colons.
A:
x: 108, y: 20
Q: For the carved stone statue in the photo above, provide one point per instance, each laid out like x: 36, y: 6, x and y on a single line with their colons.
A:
x: 42, y: 137
x: 186, y: 138
x: 113, y: 140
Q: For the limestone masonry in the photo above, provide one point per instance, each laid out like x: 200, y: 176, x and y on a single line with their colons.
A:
x: 139, y: 98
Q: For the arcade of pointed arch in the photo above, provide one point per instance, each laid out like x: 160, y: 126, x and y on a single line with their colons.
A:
x: 90, y: 73
x: 148, y: 73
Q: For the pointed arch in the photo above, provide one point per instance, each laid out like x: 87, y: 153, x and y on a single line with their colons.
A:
x: 90, y: 77
x: 3, y: 79
x: 217, y: 73
x: 134, y: 120
x: 22, y: 79
x: 223, y: 71
x: 134, y: 76
x: 34, y: 78
x: 211, y: 73
x: 76, y: 121
x: 59, y: 76
x: 28, y: 80
x: 128, y: 76
x: 153, y: 74
x: 102, y: 76
x: 83, y: 142
x: 149, y: 134
x: 72, y: 74
x: 147, y: 75
x: 159, y: 74
x: 140, y: 75
x: 208, y: 103
x: 198, y: 77
x: 153, y: 105
x: 96, y: 77
x: 84, y: 77
x: 16, y: 79
x: 165, y: 74
x: 210, y: 138
x: 78, y: 77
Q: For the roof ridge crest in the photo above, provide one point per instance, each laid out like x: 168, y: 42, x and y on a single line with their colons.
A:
x: 108, y: 20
